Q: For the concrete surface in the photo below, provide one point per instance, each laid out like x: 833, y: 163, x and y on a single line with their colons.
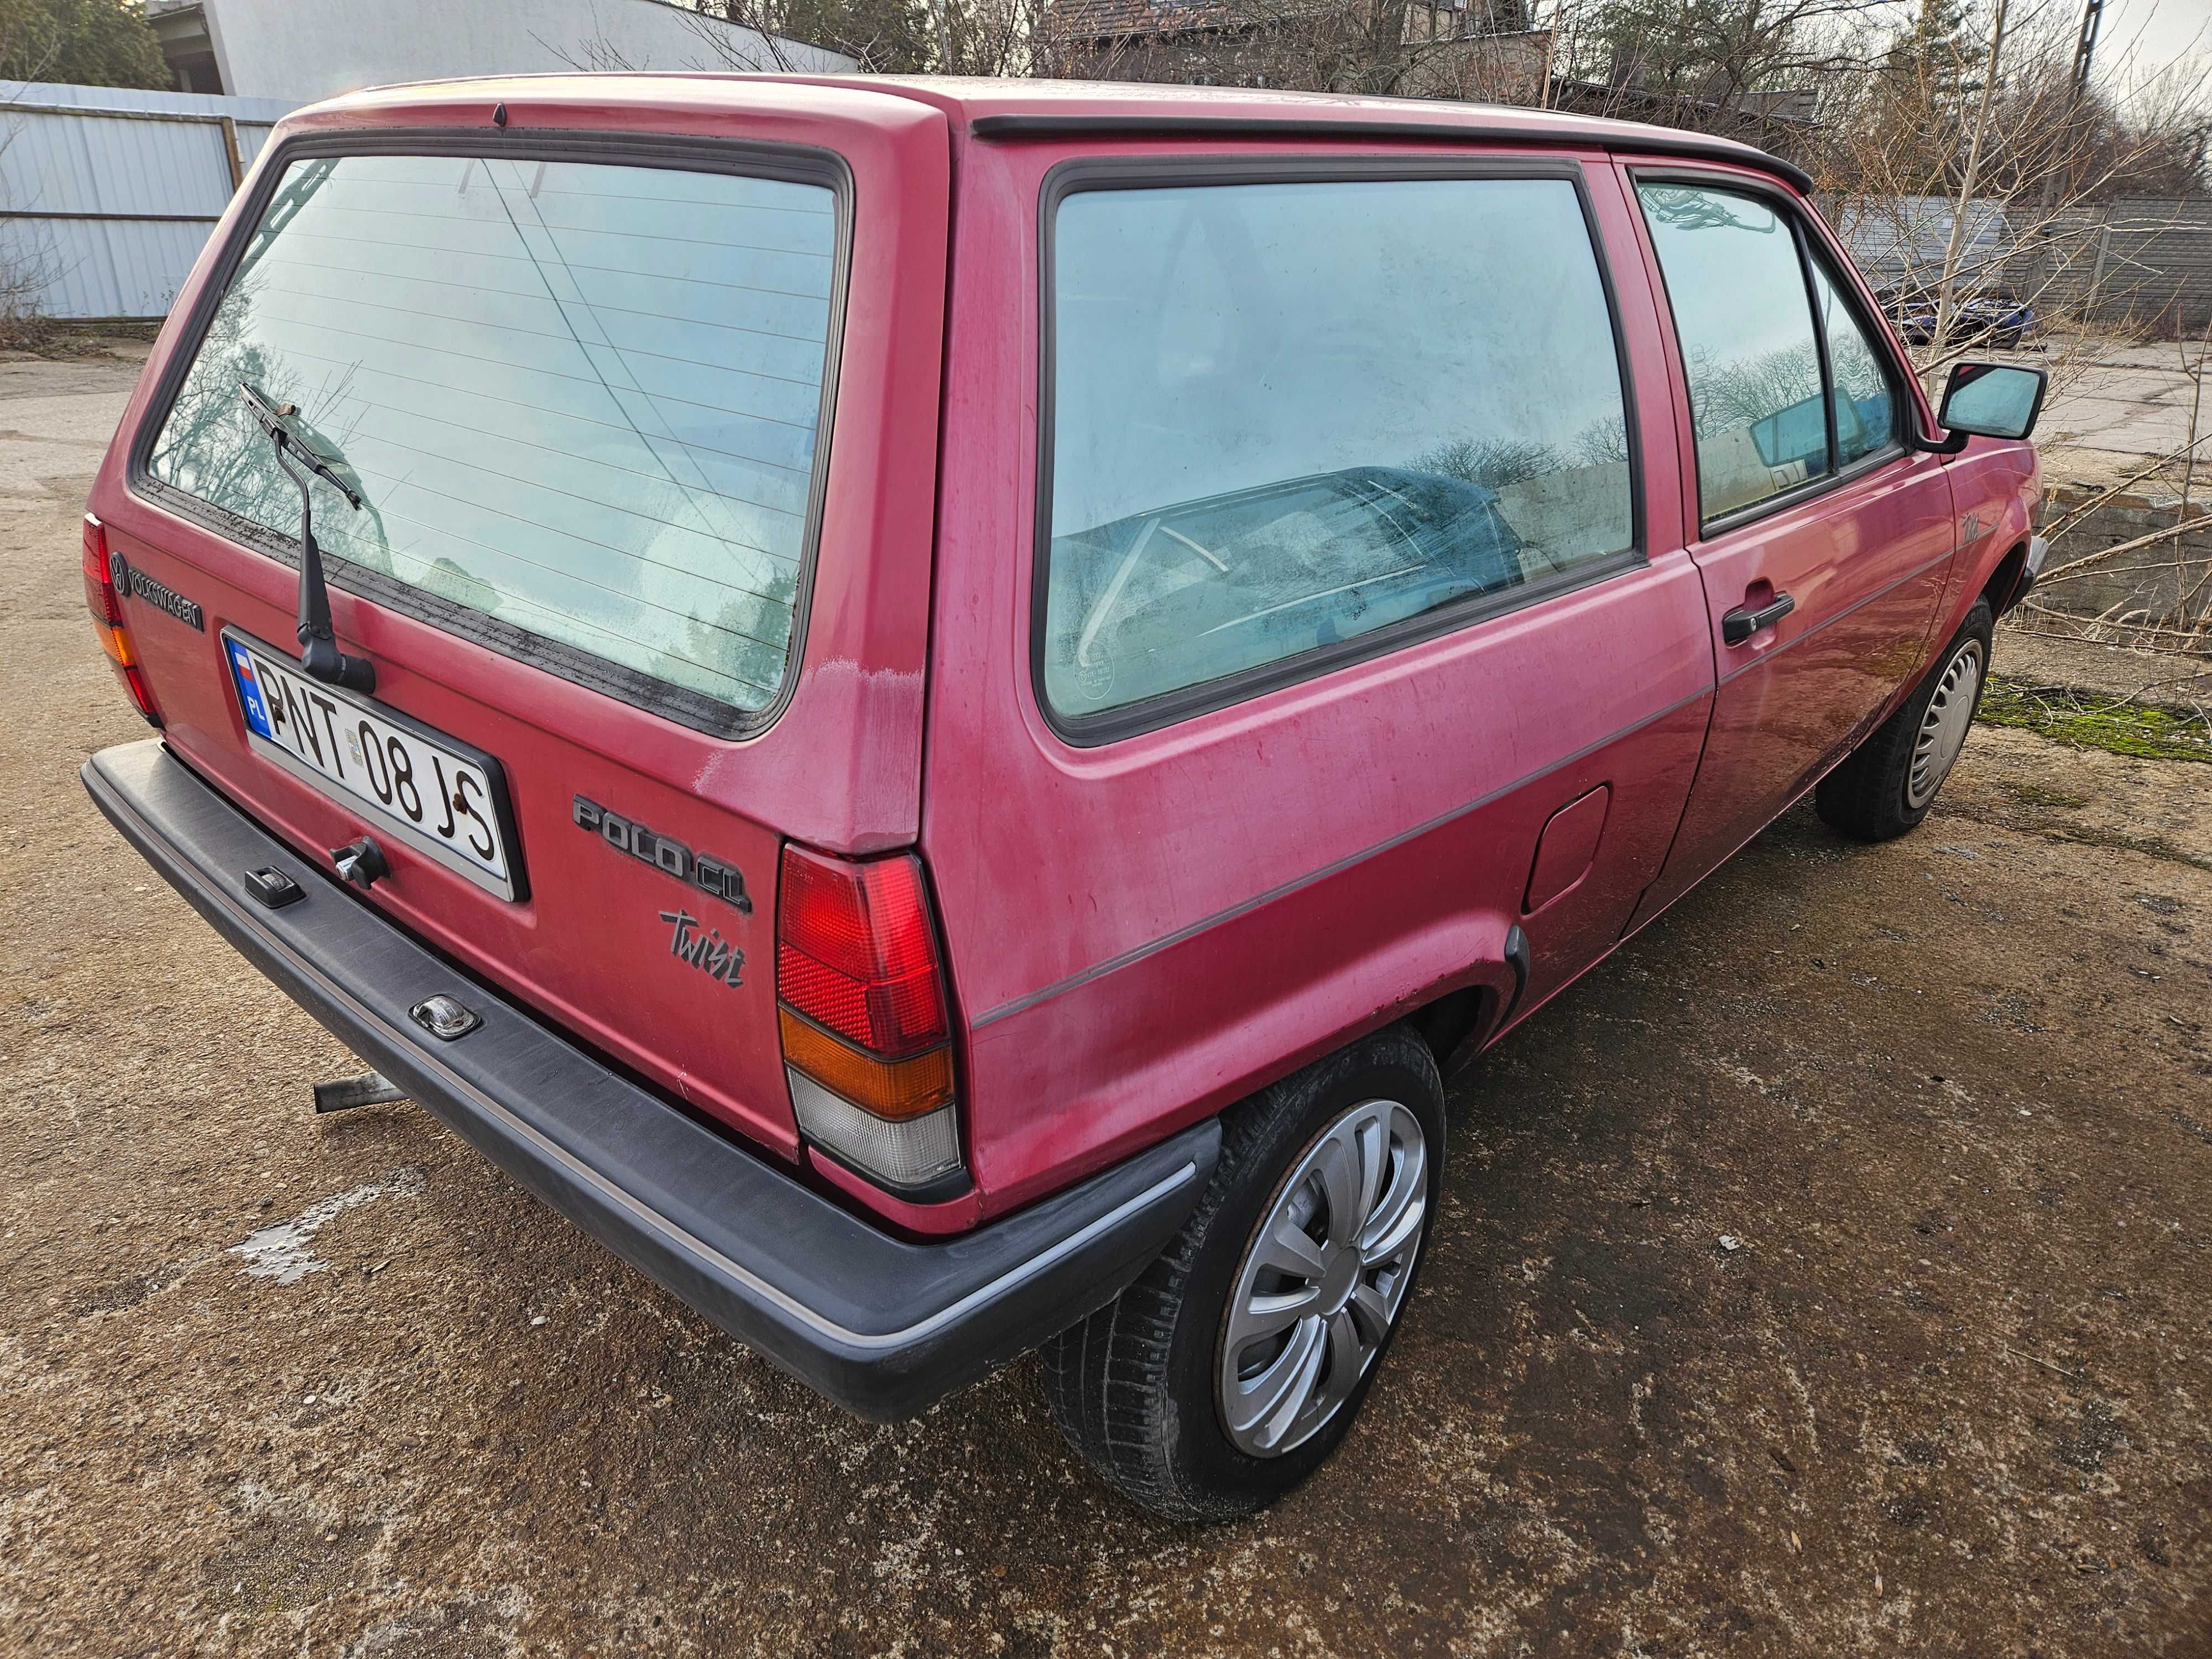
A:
x: 279, y: 1386
x: 56, y: 419
x: 2118, y: 399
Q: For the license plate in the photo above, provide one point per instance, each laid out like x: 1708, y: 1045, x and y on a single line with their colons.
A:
x: 440, y: 797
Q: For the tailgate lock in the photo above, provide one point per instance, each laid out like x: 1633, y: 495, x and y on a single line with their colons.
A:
x: 361, y: 862
x: 444, y: 1017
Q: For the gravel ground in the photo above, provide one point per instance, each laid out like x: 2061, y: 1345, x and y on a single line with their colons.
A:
x: 1952, y: 1098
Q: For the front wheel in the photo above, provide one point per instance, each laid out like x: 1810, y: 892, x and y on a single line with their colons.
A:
x: 1887, y: 785
x: 1233, y: 1366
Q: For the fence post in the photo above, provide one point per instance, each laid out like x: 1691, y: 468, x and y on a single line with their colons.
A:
x: 230, y: 150
x: 2097, y: 277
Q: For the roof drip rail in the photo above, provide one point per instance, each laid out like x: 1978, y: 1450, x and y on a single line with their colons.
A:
x: 1657, y: 141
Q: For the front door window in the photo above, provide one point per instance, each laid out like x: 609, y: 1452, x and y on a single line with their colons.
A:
x: 1785, y: 387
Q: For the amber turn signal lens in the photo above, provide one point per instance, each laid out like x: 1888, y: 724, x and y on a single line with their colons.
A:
x: 893, y: 1089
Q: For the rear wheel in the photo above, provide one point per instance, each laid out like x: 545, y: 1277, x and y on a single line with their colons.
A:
x: 1889, y: 781
x: 1233, y: 1366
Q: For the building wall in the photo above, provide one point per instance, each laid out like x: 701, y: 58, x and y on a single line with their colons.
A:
x: 304, y: 50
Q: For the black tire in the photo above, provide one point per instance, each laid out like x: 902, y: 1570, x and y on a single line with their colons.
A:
x: 1874, y: 794
x: 1134, y: 1387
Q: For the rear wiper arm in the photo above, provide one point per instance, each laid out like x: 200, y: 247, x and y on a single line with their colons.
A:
x: 319, y: 647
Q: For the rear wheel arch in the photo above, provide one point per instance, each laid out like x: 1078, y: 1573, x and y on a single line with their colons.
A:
x: 1448, y: 1022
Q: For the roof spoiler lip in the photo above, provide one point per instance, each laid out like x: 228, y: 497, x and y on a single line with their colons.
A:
x: 1021, y: 125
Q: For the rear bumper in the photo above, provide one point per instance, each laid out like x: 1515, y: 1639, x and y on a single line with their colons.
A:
x: 882, y: 1326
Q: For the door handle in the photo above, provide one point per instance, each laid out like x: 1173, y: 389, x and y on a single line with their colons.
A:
x: 1739, y: 625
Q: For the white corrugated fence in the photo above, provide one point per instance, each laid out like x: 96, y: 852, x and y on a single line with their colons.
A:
x: 108, y: 194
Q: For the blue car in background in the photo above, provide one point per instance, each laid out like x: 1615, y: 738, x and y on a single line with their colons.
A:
x: 1988, y: 319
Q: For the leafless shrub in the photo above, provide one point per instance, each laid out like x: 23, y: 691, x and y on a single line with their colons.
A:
x: 29, y: 266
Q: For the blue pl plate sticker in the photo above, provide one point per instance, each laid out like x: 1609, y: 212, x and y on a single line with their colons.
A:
x: 249, y: 691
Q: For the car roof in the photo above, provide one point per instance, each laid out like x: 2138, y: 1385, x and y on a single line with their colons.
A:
x: 1014, y: 109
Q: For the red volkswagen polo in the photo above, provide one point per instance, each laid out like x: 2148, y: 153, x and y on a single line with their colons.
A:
x: 933, y: 706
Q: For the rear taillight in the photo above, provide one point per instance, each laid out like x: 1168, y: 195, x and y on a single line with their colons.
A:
x: 866, y: 1039
x: 106, y: 607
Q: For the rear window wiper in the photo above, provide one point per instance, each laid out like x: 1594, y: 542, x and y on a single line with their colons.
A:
x: 319, y: 647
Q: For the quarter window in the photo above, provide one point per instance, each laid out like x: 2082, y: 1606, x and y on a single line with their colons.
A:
x: 1778, y: 398
x: 1285, y: 415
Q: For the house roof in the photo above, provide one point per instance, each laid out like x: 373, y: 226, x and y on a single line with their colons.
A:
x: 1122, y: 20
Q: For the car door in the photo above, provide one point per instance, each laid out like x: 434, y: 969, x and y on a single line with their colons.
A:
x: 1821, y: 539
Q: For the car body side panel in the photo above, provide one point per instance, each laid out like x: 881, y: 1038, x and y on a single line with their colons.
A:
x: 1997, y: 487
x: 1144, y: 932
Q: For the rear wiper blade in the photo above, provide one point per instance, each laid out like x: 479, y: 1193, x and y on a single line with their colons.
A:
x: 319, y: 647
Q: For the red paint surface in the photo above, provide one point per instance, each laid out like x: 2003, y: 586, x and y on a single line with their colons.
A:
x: 1140, y: 934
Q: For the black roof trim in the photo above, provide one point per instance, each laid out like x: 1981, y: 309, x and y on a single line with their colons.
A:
x: 1659, y: 141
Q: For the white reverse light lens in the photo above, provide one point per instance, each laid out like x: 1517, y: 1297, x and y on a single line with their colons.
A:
x: 909, y: 1153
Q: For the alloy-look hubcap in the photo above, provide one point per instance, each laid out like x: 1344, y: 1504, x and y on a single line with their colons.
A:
x: 1323, y: 1277
x: 1944, y: 728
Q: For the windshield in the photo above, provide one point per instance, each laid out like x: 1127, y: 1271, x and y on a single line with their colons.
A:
x: 578, y: 401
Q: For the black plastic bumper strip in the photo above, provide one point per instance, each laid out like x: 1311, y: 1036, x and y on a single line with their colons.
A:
x: 881, y: 1325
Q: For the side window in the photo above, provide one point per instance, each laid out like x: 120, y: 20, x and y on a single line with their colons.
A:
x: 1288, y: 414
x: 1866, y: 408
x: 1737, y: 288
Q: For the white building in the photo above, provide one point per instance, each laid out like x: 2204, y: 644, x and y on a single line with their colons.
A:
x: 304, y: 50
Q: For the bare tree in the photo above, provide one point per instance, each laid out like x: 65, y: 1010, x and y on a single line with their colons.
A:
x: 1964, y: 166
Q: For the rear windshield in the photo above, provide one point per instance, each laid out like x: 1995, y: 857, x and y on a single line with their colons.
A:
x: 578, y: 399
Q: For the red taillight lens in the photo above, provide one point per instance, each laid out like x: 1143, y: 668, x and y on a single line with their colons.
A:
x: 855, y: 952
x: 866, y: 1038
x: 106, y: 607
x: 100, y: 595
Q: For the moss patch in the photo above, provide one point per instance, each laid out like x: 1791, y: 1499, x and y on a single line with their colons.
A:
x: 2091, y: 721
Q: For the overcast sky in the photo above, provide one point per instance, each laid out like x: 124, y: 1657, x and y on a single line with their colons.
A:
x: 2146, y: 35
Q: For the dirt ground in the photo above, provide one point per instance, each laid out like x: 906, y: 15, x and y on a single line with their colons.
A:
x: 1949, y: 1394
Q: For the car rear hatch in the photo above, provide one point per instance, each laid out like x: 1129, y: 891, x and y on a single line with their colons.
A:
x: 625, y: 391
